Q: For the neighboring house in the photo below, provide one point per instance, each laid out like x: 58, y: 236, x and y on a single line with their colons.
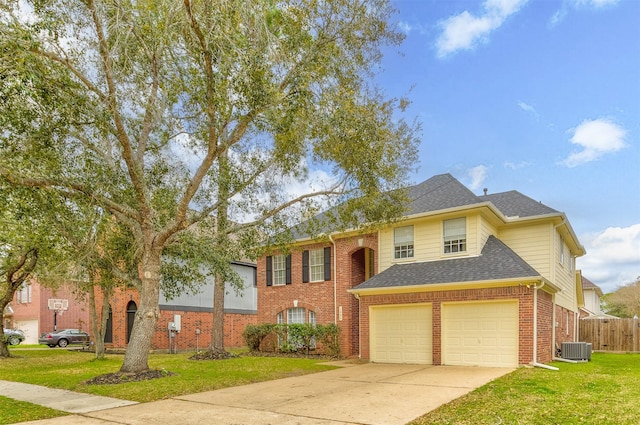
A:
x: 191, y: 313
x: 461, y: 280
x: 194, y: 312
x: 30, y: 311
x: 592, y: 294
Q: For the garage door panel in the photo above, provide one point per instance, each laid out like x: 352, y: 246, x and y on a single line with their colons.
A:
x: 480, y: 334
x: 401, y: 334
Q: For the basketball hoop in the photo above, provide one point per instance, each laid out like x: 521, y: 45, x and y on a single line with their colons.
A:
x: 59, y: 306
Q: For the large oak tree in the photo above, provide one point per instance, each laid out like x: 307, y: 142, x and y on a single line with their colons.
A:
x: 178, y: 113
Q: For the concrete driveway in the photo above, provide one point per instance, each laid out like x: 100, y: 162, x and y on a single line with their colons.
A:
x: 356, y: 394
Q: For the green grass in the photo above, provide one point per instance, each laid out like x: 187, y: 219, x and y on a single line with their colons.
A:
x: 69, y: 369
x: 603, y: 391
x: 12, y: 411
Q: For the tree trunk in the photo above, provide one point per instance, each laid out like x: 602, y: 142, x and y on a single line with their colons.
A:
x: 136, y: 358
x: 217, y: 327
x: 99, y: 322
x: 4, y: 301
x: 98, y: 336
x: 16, y: 275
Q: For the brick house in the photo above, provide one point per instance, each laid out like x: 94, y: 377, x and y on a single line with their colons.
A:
x: 461, y: 280
x: 29, y: 311
x: 194, y: 312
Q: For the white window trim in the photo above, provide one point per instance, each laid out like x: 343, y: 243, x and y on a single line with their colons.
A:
x: 316, y: 265
x: 451, y: 240
x: 279, y: 274
x: 403, y: 242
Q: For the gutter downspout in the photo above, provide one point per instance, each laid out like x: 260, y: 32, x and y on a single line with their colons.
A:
x: 359, y: 328
x: 335, y: 278
x: 535, y: 330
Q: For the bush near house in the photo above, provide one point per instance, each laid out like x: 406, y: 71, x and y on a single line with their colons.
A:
x: 304, y: 338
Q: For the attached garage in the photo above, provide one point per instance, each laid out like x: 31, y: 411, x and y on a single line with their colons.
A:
x: 480, y: 333
x: 401, y: 334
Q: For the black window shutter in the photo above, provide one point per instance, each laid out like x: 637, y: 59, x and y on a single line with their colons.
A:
x: 327, y: 263
x: 305, y: 266
x: 288, y: 271
x: 269, y: 271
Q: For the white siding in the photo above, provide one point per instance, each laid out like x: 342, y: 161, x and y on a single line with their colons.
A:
x: 428, y: 240
x: 532, y: 243
x: 563, y: 276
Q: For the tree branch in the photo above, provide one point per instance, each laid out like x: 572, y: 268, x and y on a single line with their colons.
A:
x: 134, y: 168
x: 70, y: 190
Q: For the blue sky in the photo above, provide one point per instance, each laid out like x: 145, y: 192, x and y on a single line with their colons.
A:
x: 542, y: 97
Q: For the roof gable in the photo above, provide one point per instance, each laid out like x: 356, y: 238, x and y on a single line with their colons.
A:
x: 438, y: 193
x: 515, y: 204
x: 496, y: 262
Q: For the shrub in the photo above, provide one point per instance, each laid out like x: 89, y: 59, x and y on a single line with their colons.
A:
x: 295, y: 337
x: 254, y: 334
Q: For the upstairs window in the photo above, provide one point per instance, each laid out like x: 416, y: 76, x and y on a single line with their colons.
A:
x: 316, y: 265
x: 278, y: 270
x: 455, y: 235
x: 403, y: 242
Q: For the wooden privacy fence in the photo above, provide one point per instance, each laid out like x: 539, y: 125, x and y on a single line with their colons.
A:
x: 611, y: 334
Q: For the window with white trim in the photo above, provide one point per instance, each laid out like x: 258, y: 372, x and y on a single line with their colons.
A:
x: 279, y: 270
x: 316, y: 265
x: 560, y: 249
x: 455, y: 235
x: 403, y: 242
x: 296, y: 315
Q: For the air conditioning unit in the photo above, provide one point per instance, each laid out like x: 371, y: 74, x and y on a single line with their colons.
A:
x: 576, y: 351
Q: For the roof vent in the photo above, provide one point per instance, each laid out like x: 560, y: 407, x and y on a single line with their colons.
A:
x: 485, y: 190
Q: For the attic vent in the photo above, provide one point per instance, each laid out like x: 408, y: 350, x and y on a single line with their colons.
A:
x: 576, y: 351
x: 485, y: 190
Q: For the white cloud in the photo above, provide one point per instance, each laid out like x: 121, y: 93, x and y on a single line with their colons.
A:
x: 579, y: 4
x: 516, y: 165
x: 613, y: 256
x: 528, y: 108
x: 407, y: 27
x: 465, y: 30
x: 596, y: 138
x: 478, y: 175
x: 594, y: 3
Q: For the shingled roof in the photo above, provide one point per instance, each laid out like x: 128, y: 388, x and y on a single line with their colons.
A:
x: 515, y: 204
x: 444, y: 191
x: 496, y: 262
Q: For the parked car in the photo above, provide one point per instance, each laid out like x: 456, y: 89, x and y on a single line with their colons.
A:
x: 13, y: 336
x: 64, y: 337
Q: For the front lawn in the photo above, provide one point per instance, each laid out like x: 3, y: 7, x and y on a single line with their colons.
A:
x: 13, y: 411
x: 603, y: 391
x: 70, y: 369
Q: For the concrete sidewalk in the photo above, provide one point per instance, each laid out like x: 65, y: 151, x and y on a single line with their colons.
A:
x: 379, y: 394
x: 67, y: 401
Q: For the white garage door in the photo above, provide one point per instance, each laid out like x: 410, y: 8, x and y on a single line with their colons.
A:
x: 30, y: 329
x: 480, y: 334
x: 401, y: 334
